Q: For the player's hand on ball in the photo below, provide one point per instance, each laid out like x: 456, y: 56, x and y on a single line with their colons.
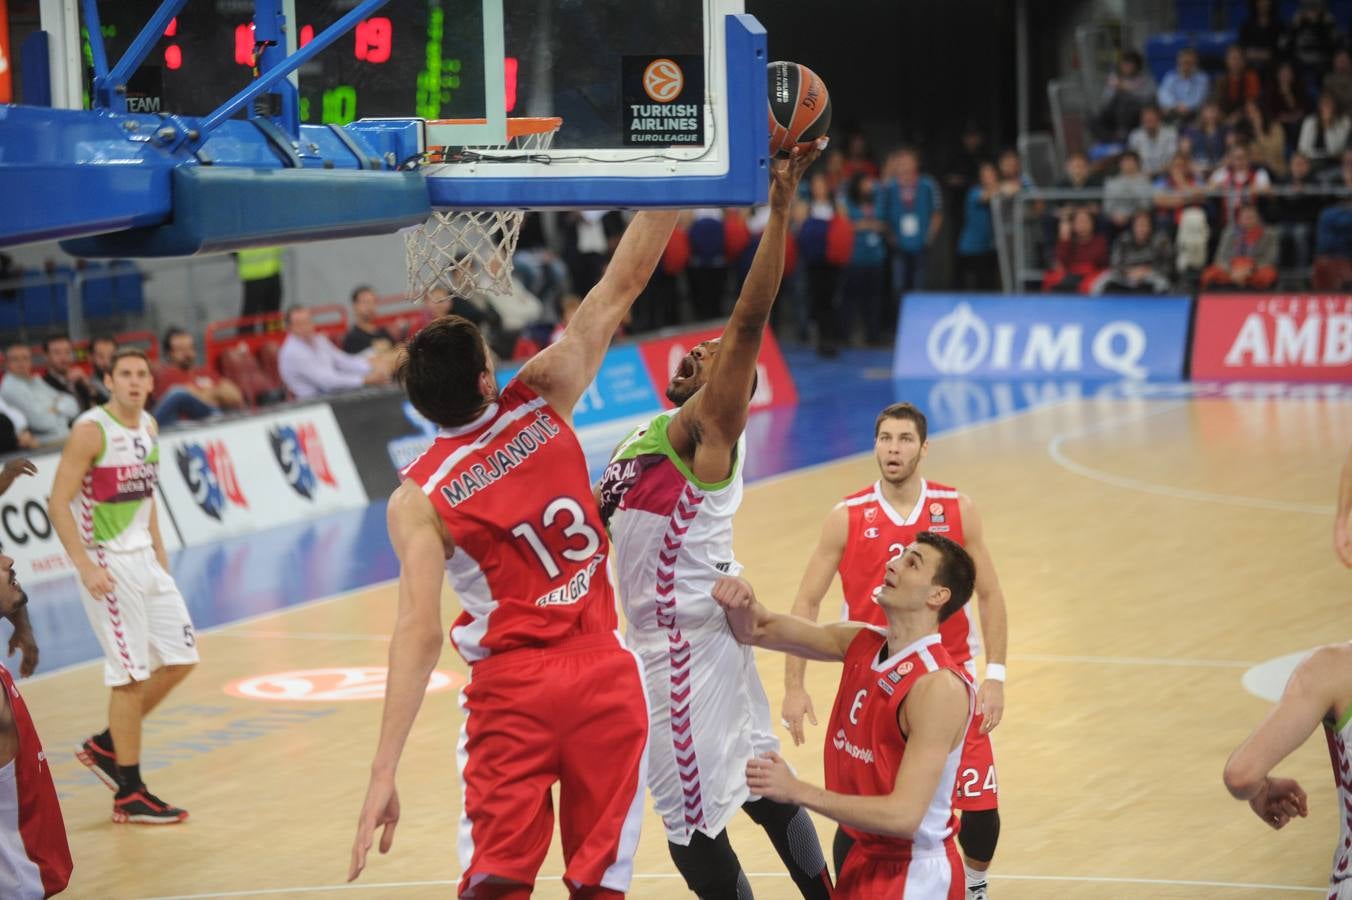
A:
x: 797, y: 704
x: 1280, y: 801
x: 381, y: 810
x: 990, y: 702
x: 769, y: 776
x: 732, y: 592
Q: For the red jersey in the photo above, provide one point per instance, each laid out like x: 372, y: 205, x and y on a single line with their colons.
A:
x: 34, y: 860
x: 879, y: 534
x: 864, y: 743
x: 530, y: 551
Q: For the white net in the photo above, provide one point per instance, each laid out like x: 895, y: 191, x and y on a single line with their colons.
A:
x: 459, y: 250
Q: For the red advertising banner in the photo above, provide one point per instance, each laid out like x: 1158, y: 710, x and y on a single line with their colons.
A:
x: 6, y: 56
x: 661, y: 356
x: 1273, y: 337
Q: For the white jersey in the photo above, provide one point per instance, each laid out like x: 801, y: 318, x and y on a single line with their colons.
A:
x: 113, y: 507
x: 1339, y: 736
x: 672, y: 537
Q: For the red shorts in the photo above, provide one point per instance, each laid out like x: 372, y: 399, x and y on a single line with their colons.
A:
x: 868, y: 875
x: 976, y: 787
x: 575, y: 714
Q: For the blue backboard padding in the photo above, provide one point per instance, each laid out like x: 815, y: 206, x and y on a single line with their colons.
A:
x: 35, y: 79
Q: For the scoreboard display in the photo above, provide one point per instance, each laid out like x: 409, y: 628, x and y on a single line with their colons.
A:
x: 412, y: 58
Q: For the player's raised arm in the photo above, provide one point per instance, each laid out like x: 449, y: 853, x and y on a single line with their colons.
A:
x: 753, y: 624
x: 821, y: 568
x: 415, y: 647
x: 713, y: 419
x: 990, y: 600
x: 561, y: 372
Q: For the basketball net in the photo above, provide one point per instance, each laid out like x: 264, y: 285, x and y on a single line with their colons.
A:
x: 458, y: 250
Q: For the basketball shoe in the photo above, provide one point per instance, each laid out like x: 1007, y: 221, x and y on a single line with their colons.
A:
x: 140, y: 807
x: 103, y: 763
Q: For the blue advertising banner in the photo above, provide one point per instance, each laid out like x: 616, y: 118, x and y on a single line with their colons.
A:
x: 1033, y: 336
x: 622, y: 389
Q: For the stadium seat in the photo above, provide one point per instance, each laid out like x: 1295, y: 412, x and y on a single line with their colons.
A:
x: 128, y: 287
x: 97, y: 300
x: 1161, y: 52
x: 1211, y: 47
x: 1037, y: 152
x: 267, y: 358
x: 240, y: 366
x: 1193, y: 15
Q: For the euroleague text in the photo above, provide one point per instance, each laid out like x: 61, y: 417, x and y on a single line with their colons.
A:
x: 497, y: 464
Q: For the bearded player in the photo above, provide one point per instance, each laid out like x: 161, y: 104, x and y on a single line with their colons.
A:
x: 897, y: 729
x: 861, y: 535
x: 668, y: 498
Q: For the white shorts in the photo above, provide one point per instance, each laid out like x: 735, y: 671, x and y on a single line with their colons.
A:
x: 143, y: 624
x: 708, y: 715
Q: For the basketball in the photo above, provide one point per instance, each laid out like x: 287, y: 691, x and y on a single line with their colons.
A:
x: 800, y: 107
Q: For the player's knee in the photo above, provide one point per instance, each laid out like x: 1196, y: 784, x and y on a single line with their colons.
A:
x: 980, y: 833
x: 711, y: 869
x: 132, y: 688
x: 178, y: 671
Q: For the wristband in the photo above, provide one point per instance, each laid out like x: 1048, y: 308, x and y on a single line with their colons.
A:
x: 995, y: 672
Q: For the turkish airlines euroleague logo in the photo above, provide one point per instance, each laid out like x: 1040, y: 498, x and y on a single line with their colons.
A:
x: 301, y: 455
x: 663, y: 80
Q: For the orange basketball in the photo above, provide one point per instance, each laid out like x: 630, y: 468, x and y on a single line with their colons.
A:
x: 800, y: 107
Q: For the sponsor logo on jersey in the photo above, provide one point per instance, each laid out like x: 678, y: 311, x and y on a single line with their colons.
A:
x: 903, y: 670
x: 870, y: 513
x: 887, y: 688
x: 936, y: 511
x: 300, y: 453
x: 209, y: 474
x: 939, y: 529
x: 842, y: 743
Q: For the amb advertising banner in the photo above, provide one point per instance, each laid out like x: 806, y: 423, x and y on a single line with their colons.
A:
x: 26, y: 532
x: 775, y: 386
x: 1273, y: 337
x: 264, y: 471
x: 1037, y: 335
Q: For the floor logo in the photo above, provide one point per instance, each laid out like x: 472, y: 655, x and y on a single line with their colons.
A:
x: 329, y: 685
x: 301, y: 455
x: 210, y: 476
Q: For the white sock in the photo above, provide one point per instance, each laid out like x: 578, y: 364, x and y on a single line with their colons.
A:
x: 974, y: 876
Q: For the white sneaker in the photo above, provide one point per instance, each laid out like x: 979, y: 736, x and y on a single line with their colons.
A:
x: 977, y: 891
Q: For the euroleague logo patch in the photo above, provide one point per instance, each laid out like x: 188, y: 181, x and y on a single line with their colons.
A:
x: 209, y: 474
x: 663, y: 80
x: 300, y: 454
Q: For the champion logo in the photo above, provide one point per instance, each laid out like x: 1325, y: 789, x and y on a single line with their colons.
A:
x: 870, y: 533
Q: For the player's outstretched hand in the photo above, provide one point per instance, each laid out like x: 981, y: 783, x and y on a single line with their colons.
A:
x: 769, y: 776
x: 381, y: 810
x: 990, y: 702
x: 797, y: 704
x: 13, y: 469
x: 1280, y: 801
x: 23, y: 643
x: 733, y: 592
x: 786, y: 173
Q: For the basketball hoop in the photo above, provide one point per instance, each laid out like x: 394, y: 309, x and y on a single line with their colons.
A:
x: 456, y: 249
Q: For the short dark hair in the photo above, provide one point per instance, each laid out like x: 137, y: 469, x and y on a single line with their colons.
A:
x: 903, y: 411
x: 1129, y: 154
x: 173, y: 332
x: 956, y: 571
x: 127, y: 352
x: 102, y: 339
x: 52, y: 339
x: 440, y: 370
x: 359, y: 290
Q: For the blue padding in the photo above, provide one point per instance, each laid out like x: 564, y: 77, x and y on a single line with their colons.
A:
x: 218, y: 208
x: 128, y: 288
x: 1211, y: 45
x: 35, y: 84
x: 96, y: 293
x: 1193, y: 15
x: 11, y: 314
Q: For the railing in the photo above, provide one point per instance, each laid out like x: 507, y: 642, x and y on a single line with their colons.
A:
x: 1019, y: 229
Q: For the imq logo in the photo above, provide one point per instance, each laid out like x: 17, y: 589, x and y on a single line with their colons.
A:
x: 210, y: 476
x: 962, y: 342
x: 300, y: 454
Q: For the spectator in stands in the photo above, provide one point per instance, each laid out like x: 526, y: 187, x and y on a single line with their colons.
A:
x: 14, y: 433
x: 1184, y: 89
x: 1294, y: 212
x: 1247, y: 255
x: 1237, y: 85
x: 1311, y: 39
x: 1265, y: 137
x: 1078, y: 176
x: 817, y: 218
x: 1333, y: 238
x: 1153, y: 141
x: 49, y: 412
x: 517, y: 310
x: 913, y: 208
x: 977, y: 263
x: 966, y: 162
x: 187, y: 390
x: 1142, y: 259
x: 717, y: 237
x: 1289, y: 101
x: 1323, y: 136
x: 260, y: 272
x: 866, y: 274
x: 1127, y: 92
x: 537, y: 264
x: 1125, y: 192
x: 310, y: 364
x: 1081, y: 255
x: 1339, y: 81
x: 1261, y: 34
x: 101, y: 350
x: 1238, y: 182
x: 1208, y: 138
x: 1177, y: 189
x: 589, y: 238
x: 365, y: 335
x: 858, y: 157
x: 63, y: 375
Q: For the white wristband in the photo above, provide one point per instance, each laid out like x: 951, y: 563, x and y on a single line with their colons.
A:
x: 995, y: 672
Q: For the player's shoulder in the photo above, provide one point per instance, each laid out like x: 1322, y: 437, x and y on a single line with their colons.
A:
x: 1328, y: 664
x: 939, y: 491
x: 861, y: 497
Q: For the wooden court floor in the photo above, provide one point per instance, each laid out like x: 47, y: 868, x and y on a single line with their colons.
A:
x: 1151, y: 552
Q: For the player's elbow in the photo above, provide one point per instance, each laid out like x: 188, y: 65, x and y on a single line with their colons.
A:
x: 1241, y: 778
x: 905, y: 822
